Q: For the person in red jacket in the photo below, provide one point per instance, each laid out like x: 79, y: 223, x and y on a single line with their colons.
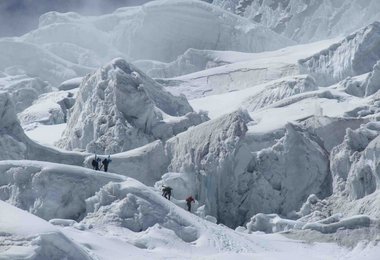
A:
x: 188, y: 202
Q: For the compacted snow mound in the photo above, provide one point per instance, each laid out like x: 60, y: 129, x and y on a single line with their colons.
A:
x: 24, y: 236
x: 50, y: 190
x: 355, y: 55
x: 119, y: 108
x: 132, y: 205
x: 23, y: 89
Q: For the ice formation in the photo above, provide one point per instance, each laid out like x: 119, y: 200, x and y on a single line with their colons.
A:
x: 23, y: 89
x: 50, y: 190
x: 267, y: 137
x: 306, y: 21
x: 355, y: 55
x: 51, y: 108
x: 15, y: 145
x: 119, y: 108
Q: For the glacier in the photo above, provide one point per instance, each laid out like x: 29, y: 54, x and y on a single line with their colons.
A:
x: 265, y: 112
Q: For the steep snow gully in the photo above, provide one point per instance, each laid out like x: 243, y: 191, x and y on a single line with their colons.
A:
x: 268, y: 118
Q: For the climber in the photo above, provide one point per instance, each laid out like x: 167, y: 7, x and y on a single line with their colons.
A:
x: 95, y: 163
x: 166, y: 192
x: 188, y: 203
x: 105, y: 163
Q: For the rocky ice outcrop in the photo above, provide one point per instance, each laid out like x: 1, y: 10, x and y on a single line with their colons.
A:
x: 119, y: 108
x: 306, y: 21
x: 355, y: 55
x: 23, y: 89
x: 24, y: 236
x: 50, y: 190
x: 279, y: 90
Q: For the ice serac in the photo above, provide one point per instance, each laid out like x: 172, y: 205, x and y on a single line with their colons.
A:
x: 23, y: 89
x: 49, y: 109
x: 183, y: 23
x: 15, y: 145
x: 235, y: 182
x: 119, y: 108
x: 160, y: 30
x: 208, y: 151
x: 50, y: 190
x: 355, y: 55
x: 21, y: 57
x: 305, y: 21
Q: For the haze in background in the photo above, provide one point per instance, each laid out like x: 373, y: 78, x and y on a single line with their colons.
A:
x: 20, y: 16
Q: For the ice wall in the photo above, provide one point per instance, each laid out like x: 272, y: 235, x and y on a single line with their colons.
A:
x: 235, y: 182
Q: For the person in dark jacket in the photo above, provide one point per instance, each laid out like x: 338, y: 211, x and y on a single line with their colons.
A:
x: 95, y: 163
x: 167, y: 192
x: 106, y: 162
x: 188, y: 203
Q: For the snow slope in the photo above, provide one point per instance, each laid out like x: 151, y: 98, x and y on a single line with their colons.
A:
x: 24, y: 236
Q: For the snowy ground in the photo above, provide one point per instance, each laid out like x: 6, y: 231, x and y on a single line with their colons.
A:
x: 46, y: 134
